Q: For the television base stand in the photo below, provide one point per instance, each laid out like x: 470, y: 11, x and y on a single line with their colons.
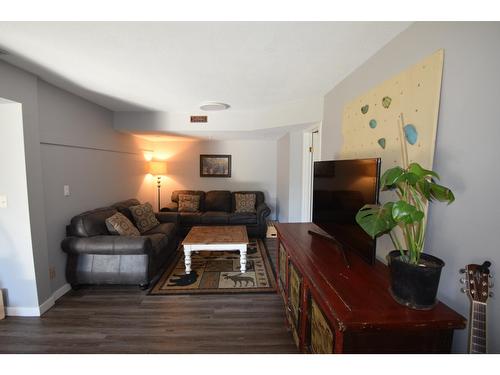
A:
x: 335, y: 241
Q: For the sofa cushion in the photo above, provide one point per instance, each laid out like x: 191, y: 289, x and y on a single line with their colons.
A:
x: 244, y: 202
x: 190, y: 218
x: 189, y: 203
x: 242, y: 218
x: 259, y: 198
x: 158, y: 241
x: 218, y: 200
x: 175, y: 196
x: 124, y: 207
x: 144, y: 217
x: 168, y: 229
x: 119, y: 224
x: 91, y: 223
x: 215, y: 217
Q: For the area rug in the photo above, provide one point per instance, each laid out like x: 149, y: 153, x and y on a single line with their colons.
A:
x: 219, y: 272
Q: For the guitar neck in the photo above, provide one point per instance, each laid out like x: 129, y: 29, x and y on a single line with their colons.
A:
x: 477, y: 343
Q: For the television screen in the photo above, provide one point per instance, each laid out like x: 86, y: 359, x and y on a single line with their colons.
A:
x: 340, y: 189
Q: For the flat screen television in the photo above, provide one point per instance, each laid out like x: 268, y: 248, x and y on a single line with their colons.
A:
x: 340, y: 189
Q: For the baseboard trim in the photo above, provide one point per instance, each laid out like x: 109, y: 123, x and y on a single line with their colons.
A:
x: 40, y: 310
x: 61, y: 291
x: 22, y: 311
x: 46, y: 305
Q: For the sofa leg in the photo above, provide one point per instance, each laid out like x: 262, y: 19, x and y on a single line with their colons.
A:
x: 144, y: 286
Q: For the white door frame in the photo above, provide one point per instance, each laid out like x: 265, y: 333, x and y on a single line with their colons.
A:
x: 307, y: 171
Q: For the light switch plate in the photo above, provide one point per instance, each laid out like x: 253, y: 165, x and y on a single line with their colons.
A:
x: 66, y: 190
x: 3, y: 201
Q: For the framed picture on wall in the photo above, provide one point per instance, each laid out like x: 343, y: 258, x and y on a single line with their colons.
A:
x: 215, y: 165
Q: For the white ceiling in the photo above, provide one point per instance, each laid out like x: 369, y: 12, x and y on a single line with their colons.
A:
x: 174, y: 66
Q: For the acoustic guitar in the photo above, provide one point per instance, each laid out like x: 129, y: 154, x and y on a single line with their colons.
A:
x: 477, y: 284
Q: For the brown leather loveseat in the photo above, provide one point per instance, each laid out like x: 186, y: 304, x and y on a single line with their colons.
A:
x: 97, y: 257
x: 217, y: 207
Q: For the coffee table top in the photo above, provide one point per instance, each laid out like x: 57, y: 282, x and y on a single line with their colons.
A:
x: 229, y: 234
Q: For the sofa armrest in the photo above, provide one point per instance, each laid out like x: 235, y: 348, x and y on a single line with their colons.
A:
x: 167, y: 217
x: 171, y: 207
x: 112, y: 245
x: 263, y: 211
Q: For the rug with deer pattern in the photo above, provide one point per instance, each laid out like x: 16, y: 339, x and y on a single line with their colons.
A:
x: 219, y: 272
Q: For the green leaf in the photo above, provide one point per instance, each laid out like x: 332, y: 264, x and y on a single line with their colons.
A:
x: 424, y: 188
x: 411, y: 178
x: 441, y: 193
x: 390, y: 178
x: 376, y: 220
x: 416, y: 169
x: 403, y: 212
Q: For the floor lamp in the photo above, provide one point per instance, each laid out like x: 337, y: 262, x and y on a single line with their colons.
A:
x: 158, y: 169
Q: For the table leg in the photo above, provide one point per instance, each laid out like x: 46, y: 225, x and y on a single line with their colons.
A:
x: 243, y: 259
x: 187, y: 259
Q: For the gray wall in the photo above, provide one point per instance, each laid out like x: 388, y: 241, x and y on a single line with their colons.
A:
x: 283, y: 177
x: 466, y: 153
x: 69, y: 141
x: 79, y: 148
x: 253, y: 167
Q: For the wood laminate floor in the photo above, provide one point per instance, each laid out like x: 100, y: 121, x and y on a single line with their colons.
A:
x: 127, y: 320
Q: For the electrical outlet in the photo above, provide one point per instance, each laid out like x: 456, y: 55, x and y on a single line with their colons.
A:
x: 66, y: 191
x: 52, y: 273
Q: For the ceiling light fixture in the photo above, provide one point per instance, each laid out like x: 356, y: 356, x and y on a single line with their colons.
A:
x: 214, y: 106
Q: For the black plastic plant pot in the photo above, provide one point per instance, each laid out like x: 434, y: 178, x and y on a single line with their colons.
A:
x: 415, y: 286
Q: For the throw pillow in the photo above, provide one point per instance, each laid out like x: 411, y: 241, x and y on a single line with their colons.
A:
x: 189, y: 203
x: 144, y: 217
x: 244, y: 202
x: 119, y: 224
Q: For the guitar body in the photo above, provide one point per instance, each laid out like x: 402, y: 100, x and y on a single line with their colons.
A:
x: 477, y: 287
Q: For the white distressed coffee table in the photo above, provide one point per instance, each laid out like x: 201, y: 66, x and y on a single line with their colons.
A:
x: 216, y: 238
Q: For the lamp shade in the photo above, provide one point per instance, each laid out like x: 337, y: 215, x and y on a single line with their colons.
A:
x: 158, y: 168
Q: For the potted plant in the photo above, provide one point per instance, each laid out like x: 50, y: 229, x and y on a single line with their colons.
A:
x: 414, y: 274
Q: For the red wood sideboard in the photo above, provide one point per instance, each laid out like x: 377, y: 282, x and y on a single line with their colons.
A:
x: 333, y: 309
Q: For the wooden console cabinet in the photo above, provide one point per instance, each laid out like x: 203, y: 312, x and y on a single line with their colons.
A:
x: 333, y: 309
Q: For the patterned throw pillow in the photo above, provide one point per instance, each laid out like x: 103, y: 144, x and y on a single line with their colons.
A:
x: 144, y: 217
x: 189, y: 203
x: 244, y: 202
x: 119, y: 224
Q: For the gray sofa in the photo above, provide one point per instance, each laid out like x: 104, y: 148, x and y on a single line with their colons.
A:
x: 217, y: 208
x: 97, y: 257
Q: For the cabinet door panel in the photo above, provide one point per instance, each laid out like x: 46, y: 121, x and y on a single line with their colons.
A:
x: 282, y: 266
x: 295, y: 282
x: 322, y: 337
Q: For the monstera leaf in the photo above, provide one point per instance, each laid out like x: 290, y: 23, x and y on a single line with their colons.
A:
x: 415, y: 187
x: 416, y: 169
x: 432, y: 191
x: 376, y: 220
x: 391, y: 177
x: 441, y: 193
x: 415, y: 174
x: 406, y: 213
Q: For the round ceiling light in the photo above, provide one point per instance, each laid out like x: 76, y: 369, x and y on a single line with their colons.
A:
x: 214, y: 106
